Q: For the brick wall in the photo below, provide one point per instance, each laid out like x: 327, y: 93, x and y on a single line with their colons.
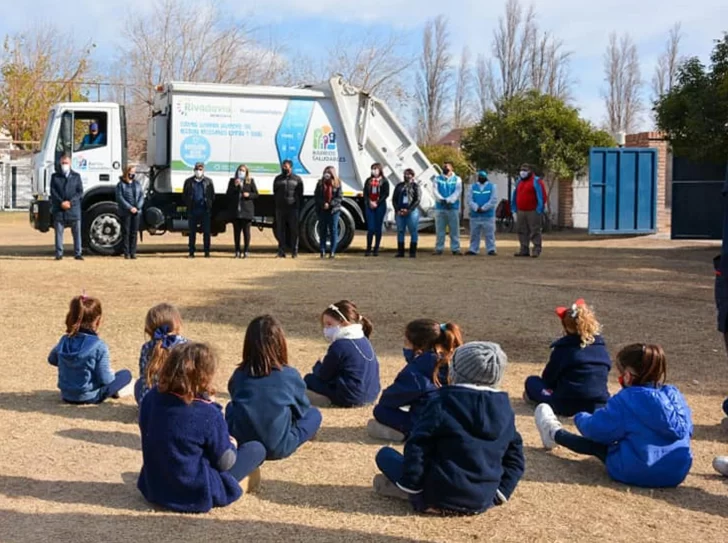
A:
x: 656, y: 140
x: 566, y: 203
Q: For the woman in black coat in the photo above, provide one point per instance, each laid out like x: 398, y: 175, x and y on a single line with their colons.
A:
x: 241, y: 194
x: 328, y: 206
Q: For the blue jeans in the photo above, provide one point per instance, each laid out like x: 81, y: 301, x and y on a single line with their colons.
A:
x: 408, y: 222
x: 195, y: 219
x: 394, y: 418
x: 581, y: 445
x: 250, y: 456
x: 75, y: 231
x: 485, y: 227
x: 445, y: 218
x: 328, y: 225
x: 375, y: 224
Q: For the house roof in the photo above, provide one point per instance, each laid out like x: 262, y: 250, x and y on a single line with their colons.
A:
x: 452, y: 138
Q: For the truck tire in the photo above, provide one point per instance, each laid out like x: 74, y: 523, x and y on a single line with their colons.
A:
x: 309, y: 231
x: 102, y: 229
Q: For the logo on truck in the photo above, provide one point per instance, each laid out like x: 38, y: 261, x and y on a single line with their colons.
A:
x: 324, y: 139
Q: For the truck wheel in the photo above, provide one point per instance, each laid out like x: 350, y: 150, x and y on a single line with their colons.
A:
x: 309, y: 231
x: 102, y: 229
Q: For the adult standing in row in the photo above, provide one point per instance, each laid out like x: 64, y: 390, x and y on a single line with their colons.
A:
x: 66, y: 195
x: 288, y: 196
x: 448, y: 188
x: 241, y: 193
x: 199, y: 194
x: 406, y: 200
x: 376, y: 192
x: 327, y: 196
x: 483, y: 199
x: 527, y: 202
x: 130, y: 200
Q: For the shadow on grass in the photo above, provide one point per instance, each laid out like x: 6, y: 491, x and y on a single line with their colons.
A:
x: 49, y: 403
x: 711, y: 432
x: 347, y: 434
x: 122, y: 440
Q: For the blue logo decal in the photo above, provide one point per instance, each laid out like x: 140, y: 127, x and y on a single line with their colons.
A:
x: 195, y: 149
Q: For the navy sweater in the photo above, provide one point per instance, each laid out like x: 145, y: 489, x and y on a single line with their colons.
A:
x: 413, y: 385
x: 351, y: 369
x: 187, y: 452
x: 573, y: 373
x: 266, y: 409
x: 463, y: 450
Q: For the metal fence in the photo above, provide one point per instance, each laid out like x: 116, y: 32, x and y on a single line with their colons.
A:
x: 15, y: 186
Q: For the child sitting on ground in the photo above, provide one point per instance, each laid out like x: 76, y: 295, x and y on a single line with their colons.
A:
x: 163, y: 326
x: 575, y: 378
x: 348, y: 375
x: 268, y: 397
x: 428, y: 347
x: 643, y: 434
x: 84, y: 370
x: 191, y: 464
x: 463, y: 454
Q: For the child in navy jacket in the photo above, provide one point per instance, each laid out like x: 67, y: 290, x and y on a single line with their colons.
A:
x: 191, y: 464
x: 268, y: 397
x: 348, y: 376
x: 643, y: 434
x: 84, y: 370
x: 428, y: 347
x: 464, y: 454
x: 575, y: 378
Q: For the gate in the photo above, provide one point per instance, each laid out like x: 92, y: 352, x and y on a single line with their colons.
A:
x: 622, y: 191
x: 697, y: 199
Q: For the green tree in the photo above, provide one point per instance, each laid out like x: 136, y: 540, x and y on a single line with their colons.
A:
x: 439, y: 154
x: 539, y: 129
x: 694, y: 113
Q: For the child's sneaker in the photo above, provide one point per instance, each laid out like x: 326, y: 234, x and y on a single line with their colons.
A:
x: 378, y: 430
x: 385, y: 487
x: 318, y: 400
x: 547, y: 425
x: 125, y: 392
x: 720, y: 464
x: 251, y: 484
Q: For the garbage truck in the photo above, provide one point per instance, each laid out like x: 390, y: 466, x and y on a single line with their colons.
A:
x: 223, y: 126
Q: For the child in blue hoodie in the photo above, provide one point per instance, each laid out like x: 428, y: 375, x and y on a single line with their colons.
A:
x: 268, y: 397
x: 84, y: 371
x: 643, y: 434
x: 348, y: 376
x: 463, y: 454
x: 575, y: 378
x: 191, y: 464
x: 428, y: 347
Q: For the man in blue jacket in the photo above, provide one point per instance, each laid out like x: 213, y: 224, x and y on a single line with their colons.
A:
x: 66, y: 194
x: 448, y: 188
x: 483, y: 199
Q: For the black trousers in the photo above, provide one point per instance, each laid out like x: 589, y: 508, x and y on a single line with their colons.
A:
x: 130, y: 232
x: 287, y: 229
x: 244, y: 226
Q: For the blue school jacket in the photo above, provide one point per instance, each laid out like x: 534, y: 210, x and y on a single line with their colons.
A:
x: 574, y: 373
x: 413, y: 385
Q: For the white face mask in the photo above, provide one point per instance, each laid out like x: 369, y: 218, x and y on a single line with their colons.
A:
x: 198, y: 174
x: 241, y: 174
x: 375, y: 173
x: 524, y: 174
x: 65, y: 168
x: 330, y: 333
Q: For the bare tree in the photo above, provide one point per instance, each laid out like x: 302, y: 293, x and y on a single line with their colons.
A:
x: 463, y: 91
x: 548, y: 65
x: 512, y: 43
x: 667, y: 64
x: 622, y: 97
x: 483, y: 84
x: 433, y: 88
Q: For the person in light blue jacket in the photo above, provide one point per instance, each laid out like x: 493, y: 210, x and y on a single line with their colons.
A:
x: 447, y: 188
x: 643, y: 434
x: 483, y: 199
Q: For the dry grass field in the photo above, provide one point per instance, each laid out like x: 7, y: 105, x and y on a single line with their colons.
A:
x: 68, y: 473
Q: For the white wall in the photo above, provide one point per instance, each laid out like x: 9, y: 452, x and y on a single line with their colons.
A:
x: 580, y: 209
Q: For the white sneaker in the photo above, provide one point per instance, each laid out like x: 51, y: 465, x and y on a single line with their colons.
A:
x: 377, y: 430
x: 128, y: 390
x: 547, y: 425
x: 720, y: 464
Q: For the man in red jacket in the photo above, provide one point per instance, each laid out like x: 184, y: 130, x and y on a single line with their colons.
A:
x: 528, y: 201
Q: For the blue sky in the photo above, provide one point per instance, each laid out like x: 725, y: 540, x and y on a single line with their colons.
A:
x: 309, y: 26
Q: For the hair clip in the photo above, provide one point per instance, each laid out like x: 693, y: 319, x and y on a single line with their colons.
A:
x: 83, y: 295
x: 443, y: 327
x: 334, y: 308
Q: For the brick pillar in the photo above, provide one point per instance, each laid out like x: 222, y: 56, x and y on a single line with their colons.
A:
x: 566, y: 203
x: 656, y: 140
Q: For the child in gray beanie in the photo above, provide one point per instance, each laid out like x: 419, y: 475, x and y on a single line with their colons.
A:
x: 464, y: 454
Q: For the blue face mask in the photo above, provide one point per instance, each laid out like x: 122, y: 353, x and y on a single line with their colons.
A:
x: 409, y: 355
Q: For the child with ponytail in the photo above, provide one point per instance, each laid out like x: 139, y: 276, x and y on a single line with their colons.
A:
x: 163, y: 326
x: 575, y: 378
x: 348, y: 375
x: 84, y: 370
x: 428, y: 348
x: 643, y: 434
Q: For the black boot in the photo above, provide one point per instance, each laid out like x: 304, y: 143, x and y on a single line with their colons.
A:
x: 413, y: 250
x: 400, y: 250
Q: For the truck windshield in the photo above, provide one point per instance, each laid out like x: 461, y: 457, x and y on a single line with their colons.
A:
x: 49, y: 124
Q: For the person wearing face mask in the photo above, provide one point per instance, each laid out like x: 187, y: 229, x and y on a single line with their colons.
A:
x: 376, y: 192
x: 406, y: 200
x: 288, y: 196
x: 66, y: 195
x: 328, y: 206
x: 241, y: 194
x: 527, y: 202
x: 448, y: 188
x: 130, y: 200
x: 348, y: 375
x: 483, y: 198
x: 199, y: 193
